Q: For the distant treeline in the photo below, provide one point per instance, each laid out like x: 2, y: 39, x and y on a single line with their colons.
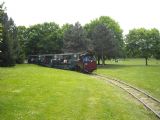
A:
x: 103, y: 36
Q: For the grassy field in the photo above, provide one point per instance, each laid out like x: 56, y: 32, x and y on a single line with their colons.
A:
x: 30, y: 92
x: 134, y: 72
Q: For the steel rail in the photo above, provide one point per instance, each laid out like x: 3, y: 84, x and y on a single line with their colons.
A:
x: 147, y: 100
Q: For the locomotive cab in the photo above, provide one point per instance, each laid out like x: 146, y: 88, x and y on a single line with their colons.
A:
x: 89, y: 63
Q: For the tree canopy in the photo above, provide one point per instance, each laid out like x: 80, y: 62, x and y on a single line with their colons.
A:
x: 143, y: 43
x: 43, y: 39
x: 103, y: 41
x: 8, y: 43
x: 75, y: 39
x: 113, y: 26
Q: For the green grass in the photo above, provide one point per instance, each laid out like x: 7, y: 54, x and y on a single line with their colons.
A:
x: 30, y: 92
x: 134, y: 72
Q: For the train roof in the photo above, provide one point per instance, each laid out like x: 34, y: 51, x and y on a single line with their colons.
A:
x: 86, y: 53
x: 56, y: 54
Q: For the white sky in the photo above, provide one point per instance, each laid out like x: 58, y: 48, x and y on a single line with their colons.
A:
x: 128, y: 13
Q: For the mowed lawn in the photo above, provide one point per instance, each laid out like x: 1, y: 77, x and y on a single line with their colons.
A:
x: 31, y: 92
x: 134, y: 72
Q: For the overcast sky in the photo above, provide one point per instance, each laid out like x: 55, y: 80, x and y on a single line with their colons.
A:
x: 128, y: 13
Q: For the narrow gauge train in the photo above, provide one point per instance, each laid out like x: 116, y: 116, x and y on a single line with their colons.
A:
x: 72, y: 61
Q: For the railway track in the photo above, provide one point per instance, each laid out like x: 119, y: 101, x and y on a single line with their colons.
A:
x: 147, y: 100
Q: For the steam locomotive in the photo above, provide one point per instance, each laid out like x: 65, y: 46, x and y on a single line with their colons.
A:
x: 72, y: 61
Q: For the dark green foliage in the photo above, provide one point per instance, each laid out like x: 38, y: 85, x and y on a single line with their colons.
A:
x: 47, y: 38
x: 155, y: 37
x: 7, y: 57
x: 75, y: 39
x: 1, y: 13
x: 103, y: 41
x: 118, y: 48
x: 10, y: 48
x: 65, y: 28
x: 21, y: 38
x: 43, y: 39
x: 143, y: 43
x: 157, y: 54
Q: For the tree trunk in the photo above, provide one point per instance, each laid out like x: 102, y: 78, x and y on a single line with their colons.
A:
x: 98, y: 60
x: 103, y: 61
x: 102, y: 57
x: 146, y: 59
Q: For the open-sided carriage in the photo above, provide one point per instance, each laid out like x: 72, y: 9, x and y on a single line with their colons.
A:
x: 72, y: 61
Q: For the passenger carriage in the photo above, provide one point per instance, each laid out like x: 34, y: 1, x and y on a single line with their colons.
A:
x: 73, y: 61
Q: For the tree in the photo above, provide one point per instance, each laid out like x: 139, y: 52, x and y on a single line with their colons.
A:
x: 9, y: 44
x: 51, y: 41
x: 21, y: 38
x: 1, y: 31
x: 0, y: 36
x: 75, y: 39
x: 13, y: 38
x: 1, y: 14
x: 8, y: 40
x: 111, y: 24
x: 43, y: 38
x: 142, y: 43
x: 103, y: 41
x: 155, y: 37
x: 65, y: 28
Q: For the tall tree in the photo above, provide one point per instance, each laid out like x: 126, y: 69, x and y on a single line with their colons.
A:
x: 8, y: 40
x: 103, y: 41
x: 75, y: 39
x: 114, y: 27
x: 43, y: 38
x: 1, y: 31
x: 0, y: 34
x: 21, y: 38
x: 142, y: 43
x: 1, y: 14
x: 154, y: 35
